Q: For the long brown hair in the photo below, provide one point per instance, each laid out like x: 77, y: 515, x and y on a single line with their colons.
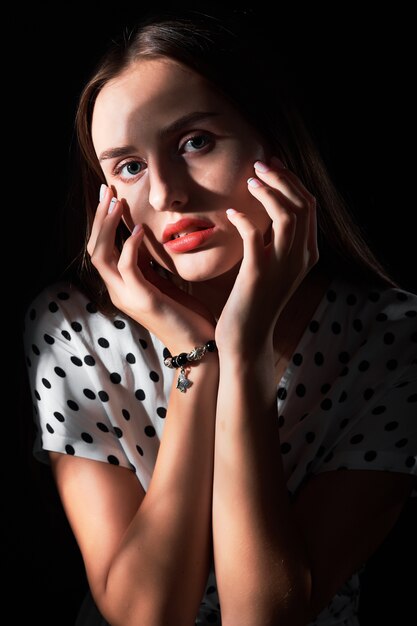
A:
x: 222, y: 50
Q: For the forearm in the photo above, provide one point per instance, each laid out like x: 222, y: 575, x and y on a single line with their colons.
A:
x: 261, y: 567
x: 159, y: 572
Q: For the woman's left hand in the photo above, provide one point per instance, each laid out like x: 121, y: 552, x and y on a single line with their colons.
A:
x: 269, y: 274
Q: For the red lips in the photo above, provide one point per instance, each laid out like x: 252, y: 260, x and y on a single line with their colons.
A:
x: 186, y: 225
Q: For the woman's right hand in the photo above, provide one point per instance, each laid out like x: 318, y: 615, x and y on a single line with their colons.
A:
x: 177, y: 319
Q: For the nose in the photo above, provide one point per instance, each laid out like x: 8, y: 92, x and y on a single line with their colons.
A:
x: 166, y: 187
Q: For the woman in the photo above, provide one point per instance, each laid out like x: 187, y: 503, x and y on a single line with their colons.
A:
x: 228, y: 353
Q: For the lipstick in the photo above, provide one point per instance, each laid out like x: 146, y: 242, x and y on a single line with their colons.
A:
x: 187, y: 234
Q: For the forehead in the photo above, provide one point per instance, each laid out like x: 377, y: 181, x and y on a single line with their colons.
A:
x: 149, y: 94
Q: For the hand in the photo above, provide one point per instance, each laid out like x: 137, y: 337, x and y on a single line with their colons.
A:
x: 269, y: 274
x: 176, y: 318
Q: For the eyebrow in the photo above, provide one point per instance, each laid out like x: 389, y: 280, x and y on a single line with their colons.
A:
x: 179, y: 124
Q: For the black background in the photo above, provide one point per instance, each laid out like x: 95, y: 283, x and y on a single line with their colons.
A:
x: 358, y: 98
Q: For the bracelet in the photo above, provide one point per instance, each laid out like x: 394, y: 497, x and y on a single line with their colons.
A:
x: 182, y: 359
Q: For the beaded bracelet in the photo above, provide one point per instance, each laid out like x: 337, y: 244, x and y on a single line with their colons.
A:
x: 182, y: 359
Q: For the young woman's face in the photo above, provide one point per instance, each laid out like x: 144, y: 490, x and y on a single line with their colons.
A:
x: 179, y: 155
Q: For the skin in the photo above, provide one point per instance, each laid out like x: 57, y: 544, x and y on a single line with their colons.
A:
x: 218, y: 484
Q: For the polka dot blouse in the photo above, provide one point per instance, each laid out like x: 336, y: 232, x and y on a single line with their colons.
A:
x: 348, y: 398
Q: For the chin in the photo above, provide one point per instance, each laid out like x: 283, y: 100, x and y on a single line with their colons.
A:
x: 195, y: 270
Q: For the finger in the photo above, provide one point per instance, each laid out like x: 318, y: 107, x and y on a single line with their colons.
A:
x: 281, y: 178
x: 106, y: 196
x: 105, y: 255
x: 128, y: 261
x: 253, y: 242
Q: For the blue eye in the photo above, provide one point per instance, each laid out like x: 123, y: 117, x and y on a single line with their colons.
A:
x: 131, y: 169
x: 196, y: 143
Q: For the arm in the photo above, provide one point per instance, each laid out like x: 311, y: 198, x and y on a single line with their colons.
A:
x: 147, y: 555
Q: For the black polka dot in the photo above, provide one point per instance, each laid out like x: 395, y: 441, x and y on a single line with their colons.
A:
x: 87, y: 437
x: 310, y: 437
x: 150, y: 431
x: 143, y: 343
x: 318, y: 358
x: 154, y: 376
x: 119, y: 324
x: 161, y: 412
x: 412, y: 398
x: 73, y: 405
x: 356, y: 439
x: 103, y: 342
x: 327, y: 404
x: 281, y: 421
x: 140, y: 394
x: 300, y: 390
x: 368, y: 393
x: 46, y: 383
x: 48, y: 339
x: 303, y: 417
x: 344, y: 422
x: 402, y: 297
x: 49, y: 429
x: 32, y: 314
x: 410, y: 461
x: 320, y: 452
x: 357, y: 325
x: 370, y: 455
x: 69, y: 449
x: 89, y: 394
x: 66, y: 335
x: 342, y: 397
x: 166, y: 353
x: 331, y: 295
x: 91, y: 307
x: 374, y: 296
x: 325, y: 388
x: 381, y: 317
x: 363, y: 366
x: 28, y: 361
x: 104, y: 396
x: 118, y: 432
x: 285, y: 447
x: 102, y: 427
x: 297, y: 359
x: 89, y: 360
x: 411, y: 313
x: 59, y: 416
x: 378, y: 410
x: 314, y: 326
x: 53, y: 307
x: 336, y: 328
x: 389, y: 338
x: 401, y: 443
x: 35, y: 349
x: 139, y: 449
x: 76, y: 361
x: 37, y: 396
x: 392, y: 364
x: 344, y: 357
x: 113, y: 460
x: 59, y: 372
x: 282, y: 393
x: 391, y: 426
x: 130, y: 358
x: 115, y: 378
x: 63, y: 295
x: 126, y: 414
x: 344, y: 371
x: 76, y: 326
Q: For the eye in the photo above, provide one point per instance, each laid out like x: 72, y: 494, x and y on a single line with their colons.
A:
x: 196, y: 143
x: 129, y: 170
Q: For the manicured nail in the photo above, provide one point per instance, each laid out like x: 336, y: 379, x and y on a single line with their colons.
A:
x: 231, y: 211
x: 112, y: 203
x: 137, y: 229
x: 254, y: 182
x: 102, y: 193
x: 261, y: 166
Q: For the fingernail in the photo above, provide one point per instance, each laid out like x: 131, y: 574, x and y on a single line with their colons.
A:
x: 261, y: 166
x: 231, y: 211
x: 137, y: 229
x: 254, y: 182
x: 102, y: 193
x: 277, y: 162
x: 112, y: 203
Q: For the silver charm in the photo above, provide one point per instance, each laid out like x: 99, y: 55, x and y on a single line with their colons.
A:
x: 183, y: 383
